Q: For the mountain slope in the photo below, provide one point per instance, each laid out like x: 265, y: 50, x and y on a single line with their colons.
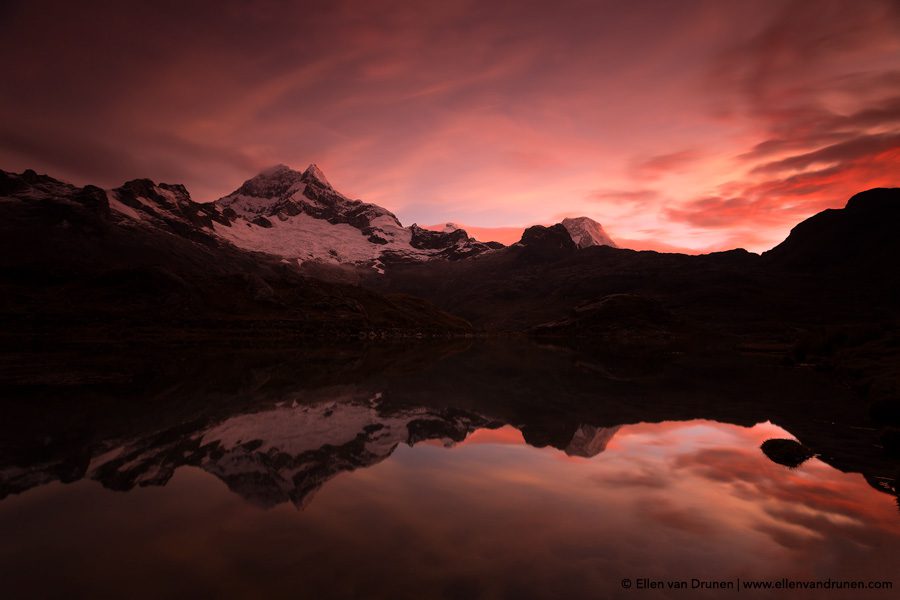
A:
x: 85, y: 261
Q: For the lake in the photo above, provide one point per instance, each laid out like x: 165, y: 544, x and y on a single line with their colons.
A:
x: 458, y: 470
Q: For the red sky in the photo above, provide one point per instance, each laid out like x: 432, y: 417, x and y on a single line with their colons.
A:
x: 692, y: 124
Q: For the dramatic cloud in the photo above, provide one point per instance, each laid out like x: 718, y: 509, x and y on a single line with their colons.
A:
x: 687, y: 125
x: 864, y: 146
x: 653, y: 167
x: 818, y: 88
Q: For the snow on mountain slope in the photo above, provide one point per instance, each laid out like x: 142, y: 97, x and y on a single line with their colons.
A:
x: 165, y: 206
x: 303, y: 238
x: 586, y: 232
x: 299, y: 216
x: 296, y: 216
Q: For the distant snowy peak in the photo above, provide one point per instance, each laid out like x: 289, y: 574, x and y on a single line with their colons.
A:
x: 450, y: 227
x: 586, y: 232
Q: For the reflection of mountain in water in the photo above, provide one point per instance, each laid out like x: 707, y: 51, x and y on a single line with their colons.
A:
x: 276, y: 427
x: 269, y: 457
x: 287, y: 453
x: 590, y: 441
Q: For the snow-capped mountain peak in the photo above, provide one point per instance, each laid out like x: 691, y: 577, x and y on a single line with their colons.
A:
x: 586, y: 232
x: 314, y: 173
x: 301, y: 217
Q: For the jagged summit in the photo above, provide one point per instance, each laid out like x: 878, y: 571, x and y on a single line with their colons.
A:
x: 587, y: 232
x: 281, y: 170
x: 314, y: 173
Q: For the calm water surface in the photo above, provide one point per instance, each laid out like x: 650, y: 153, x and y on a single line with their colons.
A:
x: 338, y: 491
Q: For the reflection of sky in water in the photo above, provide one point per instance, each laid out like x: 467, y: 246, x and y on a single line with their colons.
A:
x: 669, y: 500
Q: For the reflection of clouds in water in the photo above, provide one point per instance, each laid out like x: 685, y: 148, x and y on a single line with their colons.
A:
x: 811, y: 511
x: 495, y: 515
x: 715, y: 501
x: 667, y: 513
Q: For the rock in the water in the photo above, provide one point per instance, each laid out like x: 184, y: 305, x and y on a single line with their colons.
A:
x: 789, y: 453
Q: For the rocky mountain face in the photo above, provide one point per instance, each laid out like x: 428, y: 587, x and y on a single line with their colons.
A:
x: 541, y: 244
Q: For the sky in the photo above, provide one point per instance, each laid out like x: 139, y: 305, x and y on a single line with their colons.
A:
x: 693, y: 125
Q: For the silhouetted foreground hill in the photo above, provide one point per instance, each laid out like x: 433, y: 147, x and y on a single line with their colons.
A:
x: 860, y: 238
